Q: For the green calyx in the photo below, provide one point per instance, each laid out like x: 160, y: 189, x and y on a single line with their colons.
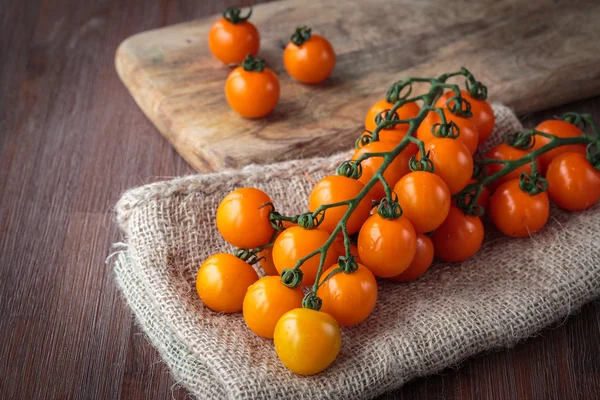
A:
x: 301, y: 35
x: 253, y: 64
x: 399, y: 91
x: 422, y: 164
x: 233, y: 15
x: 389, y: 208
x: 386, y: 116
x: 449, y: 130
x: 350, y: 169
x: 533, y: 183
x: 311, y: 301
x: 467, y: 203
x: 310, y: 220
x: 348, y: 264
x: 292, y: 278
x: 521, y: 140
x: 459, y: 106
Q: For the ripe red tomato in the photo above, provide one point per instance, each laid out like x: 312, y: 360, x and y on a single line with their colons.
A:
x: 421, y: 262
x: 516, y: 213
x: 483, y: 114
x: 573, y: 183
x: 222, y: 282
x: 334, y: 189
x: 459, y: 237
x: 406, y: 111
x: 425, y: 200
x: 452, y: 162
x: 294, y: 243
x: 243, y: 211
x: 252, y: 94
x: 468, y: 132
x: 349, y: 298
x: 396, y: 170
x: 231, y: 41
x: 506, y: 152
x: 307, y: 341
x: 310, y: 62
x: 560, y: 129
x: 266, y: 301
x: 387, y: 247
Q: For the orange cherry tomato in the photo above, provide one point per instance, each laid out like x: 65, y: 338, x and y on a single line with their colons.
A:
x: 573, y: 183
x: 504, y: 151
x: 243, y: 218
x: 468, y: 132
x: 307, y: 341
x: 420, y: 263
x: 385, y: 246
x: 396, y: 170
x: 333, y: 189
x: 483, y: 200
x: 406, y: 111
x: 309, y: 58
x: 517, y: 213
x: 222, y: 282
x: 483, y: 114
x: 562, y: 129
x: 266, y: 261
x: 452, y: 162
x: 266, y: 301
x: 349, y: 298
x: 231, y: 38
x: 425, y: 200
x: 252, y: 93
x: 294, y: 243
x: 459, y: 237
x: 340, y: 249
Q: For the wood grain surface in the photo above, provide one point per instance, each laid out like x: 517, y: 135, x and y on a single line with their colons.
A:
x: 71, y: 141
x: 532, y: 55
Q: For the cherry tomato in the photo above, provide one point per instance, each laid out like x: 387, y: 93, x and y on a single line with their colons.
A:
x: 504, y: 151
x: 459, y: 237
x: 425, y: 200
x: 266, y: 261
x: 420, y: 263
x: 266, y: 301
x: 310, y: 62
x: 562, y: 129
x: 573, y: 183
x: 396, y: 170
x: 242, y: 212
x: 468, y: 132
x: 387, y: 247
x: 452, y: 162
x: 307, y: 341
x: 340, y: 249
x: 349, y: 298
x: 231, y: 39
x: 483, y: 200
x: 294, y: 243
x: 333, y: 189
x: 252, y: 94
x: 222, y: 282
x: 483, y: 114
x: 406, y: 111
x: 517, y: 213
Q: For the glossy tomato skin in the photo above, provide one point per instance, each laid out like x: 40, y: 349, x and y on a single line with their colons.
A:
x: 396, y: 170
x: 333, y: 189
x: 387, y: 247
x: 243, y: 221
x: 294, y: 243
x: 452, y: 162
x: 222, y: 282
x: 560, y: 129
x: 516, y: 213
x: 420, y: 263
x: 252, y: 94
x: 459, y: 237
x: 231, y: 43
x: 425, y: 200
x: 573, y: 183
x: 311, y: 62
x: 406, y: 111
x: 349, y: 298
x: 468, y: 132
x: 483, y: 114
x: 307, y: 341
x: 503, y: 151
x: 266, y: 301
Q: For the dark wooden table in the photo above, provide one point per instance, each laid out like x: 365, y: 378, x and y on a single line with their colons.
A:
x: 71, y: 141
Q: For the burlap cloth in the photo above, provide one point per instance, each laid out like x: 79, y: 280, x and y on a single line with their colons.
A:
x: 508, y: 291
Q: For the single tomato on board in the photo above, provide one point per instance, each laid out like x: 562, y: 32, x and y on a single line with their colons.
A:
x: 308, y: 58
x: 233, y: 37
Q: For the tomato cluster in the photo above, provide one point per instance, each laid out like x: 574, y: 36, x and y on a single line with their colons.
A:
x: 414, y: 190
x: 252, y: 89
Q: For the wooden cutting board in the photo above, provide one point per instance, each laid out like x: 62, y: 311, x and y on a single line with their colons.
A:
x: 532, y: 55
